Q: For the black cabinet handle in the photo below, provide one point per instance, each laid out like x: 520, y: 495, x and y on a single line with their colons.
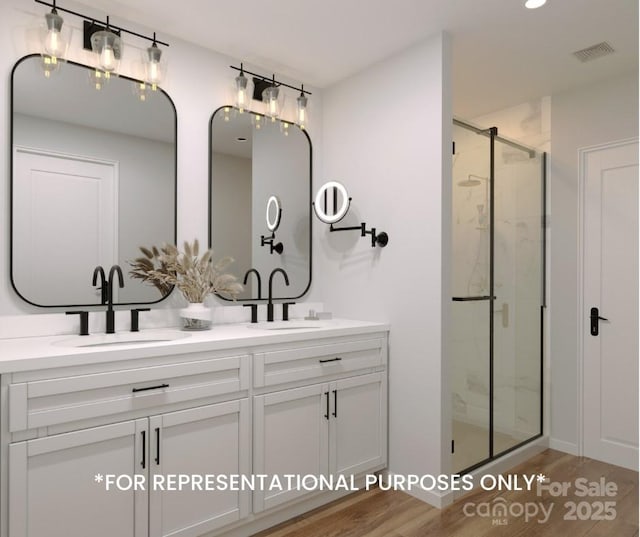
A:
x: 327, y: 414
x: 157, y: 445
x: 159, y: 386
x: 336, y: 359
x: 335, y: 403
x: 144, y: 449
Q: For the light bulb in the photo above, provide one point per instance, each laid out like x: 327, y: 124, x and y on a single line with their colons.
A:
x: 107, y: 59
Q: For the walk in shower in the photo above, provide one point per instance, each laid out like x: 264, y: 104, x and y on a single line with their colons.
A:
x: 498, y: 295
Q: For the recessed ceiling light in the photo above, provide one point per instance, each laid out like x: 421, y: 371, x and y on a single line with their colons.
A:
x: 534, y: 4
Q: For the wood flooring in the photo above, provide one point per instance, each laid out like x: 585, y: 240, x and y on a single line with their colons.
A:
x: 378, y: 513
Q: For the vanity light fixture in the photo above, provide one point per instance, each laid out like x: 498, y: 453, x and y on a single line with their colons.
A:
x: 335, y: 190
x: 104, y: 40
x: 267, y: 90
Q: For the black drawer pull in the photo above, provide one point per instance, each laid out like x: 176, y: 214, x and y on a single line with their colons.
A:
x: 336, y: 359
x: 135, y: 390
x: 335, y: 403
x: 327, y: 414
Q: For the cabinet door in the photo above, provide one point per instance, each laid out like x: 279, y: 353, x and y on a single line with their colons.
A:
x: 210, y: 440
x: 53, y: 491
x: 358, y: 434
x: 290, y: 438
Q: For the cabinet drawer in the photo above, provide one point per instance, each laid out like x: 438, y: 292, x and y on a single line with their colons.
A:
x: 314, y: 362
x: 40, y: 403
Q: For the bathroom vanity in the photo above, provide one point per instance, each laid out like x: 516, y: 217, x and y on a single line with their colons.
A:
x: 94, y: 429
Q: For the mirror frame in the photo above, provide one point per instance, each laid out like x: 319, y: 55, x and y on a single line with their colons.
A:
x: 11, y: 188
x: 307, y: 201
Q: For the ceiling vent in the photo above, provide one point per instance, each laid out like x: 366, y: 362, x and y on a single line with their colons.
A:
x: 594, y: 52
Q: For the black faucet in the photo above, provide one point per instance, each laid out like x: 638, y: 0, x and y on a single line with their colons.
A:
x: 110, y: 313
x: 246, y: 278
x: 254, y: 307
x: 270, y: 303
x: 99, y: 271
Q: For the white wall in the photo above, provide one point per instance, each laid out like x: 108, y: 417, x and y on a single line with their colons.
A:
x: 590, y: 116
x: 199, y: 82
x: 387, y: 134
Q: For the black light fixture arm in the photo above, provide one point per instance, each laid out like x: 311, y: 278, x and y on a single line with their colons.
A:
x: 104, y: 23
x: 272, y: 79
x: 377, y: 239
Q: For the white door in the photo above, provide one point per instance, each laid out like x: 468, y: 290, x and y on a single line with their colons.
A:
x: 208, y: 440
x: 610, y: 347
x: 358, y: 426
x: 65, y: 223
x: 290, y: 438
x: 53, y: 491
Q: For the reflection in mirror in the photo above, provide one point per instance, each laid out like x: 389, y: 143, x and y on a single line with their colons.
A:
x: 93, y: 178
x: 249, y: 167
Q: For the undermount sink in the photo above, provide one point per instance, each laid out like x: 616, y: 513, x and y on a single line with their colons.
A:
x: 123, y: 338
x: 286, y: 325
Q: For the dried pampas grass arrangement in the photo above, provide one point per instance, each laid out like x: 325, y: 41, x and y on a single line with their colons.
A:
x: 196, y: 277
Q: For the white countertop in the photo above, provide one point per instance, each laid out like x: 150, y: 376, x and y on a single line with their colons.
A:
x: 31, y: 353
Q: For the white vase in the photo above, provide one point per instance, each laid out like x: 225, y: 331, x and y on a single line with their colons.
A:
x: 196, y: 316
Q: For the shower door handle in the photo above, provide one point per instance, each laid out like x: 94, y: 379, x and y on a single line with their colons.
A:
x: 595, y: 321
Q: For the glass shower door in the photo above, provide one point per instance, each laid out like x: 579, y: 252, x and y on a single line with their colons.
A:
x: 470, y: 306
x: 518, y: 290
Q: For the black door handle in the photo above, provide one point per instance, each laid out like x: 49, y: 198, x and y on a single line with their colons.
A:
x: 144, y: 449
x: 595, y: 321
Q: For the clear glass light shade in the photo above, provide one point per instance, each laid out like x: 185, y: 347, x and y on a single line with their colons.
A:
x: 108, y: 49
x: 301, y: 111
x: 271, y: 103
x: 242, y: 96
x: 54, y: 41
x: 154, y: 66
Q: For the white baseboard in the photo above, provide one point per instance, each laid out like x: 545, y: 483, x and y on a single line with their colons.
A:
x: 565, y: 447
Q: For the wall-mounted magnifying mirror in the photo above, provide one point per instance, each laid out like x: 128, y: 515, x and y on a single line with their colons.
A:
x: 93, y: 178
x: 253, y: 170
x: 274, y: 213
x: 332, y: 204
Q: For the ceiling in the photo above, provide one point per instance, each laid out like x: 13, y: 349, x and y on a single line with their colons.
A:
x: 503, y: 54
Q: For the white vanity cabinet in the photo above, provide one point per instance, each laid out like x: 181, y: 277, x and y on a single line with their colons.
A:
x: 236, y: 401
x: 325, y: 429
x: 52, y: 486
